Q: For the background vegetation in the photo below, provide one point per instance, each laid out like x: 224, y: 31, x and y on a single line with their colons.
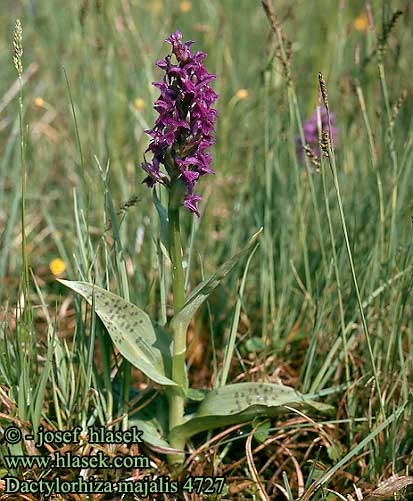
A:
x: 87, y: 99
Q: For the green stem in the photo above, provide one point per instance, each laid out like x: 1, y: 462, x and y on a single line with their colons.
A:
x: 338, y: 280
x: 175, y: 250
x: 374, y: 163
x: 333, y: 168
x: 176, y: 400
x: 393, y: 156
x: 26, y: 279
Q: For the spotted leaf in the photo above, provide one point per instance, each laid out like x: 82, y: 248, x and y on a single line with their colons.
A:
x: 131, y: 331
x: 238, y: 403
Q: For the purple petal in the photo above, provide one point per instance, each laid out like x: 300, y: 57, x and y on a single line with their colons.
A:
x: 174, y: 38
x: 191, y: 201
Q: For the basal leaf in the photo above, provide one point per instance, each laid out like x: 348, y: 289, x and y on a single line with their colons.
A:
x: 238, y: 403
x: 235, y: 398
x: 204, y: 289
x: 152, y: 419
x: 152, y: 435
x: 131, y: 331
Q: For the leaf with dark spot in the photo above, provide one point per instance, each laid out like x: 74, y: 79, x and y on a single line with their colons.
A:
x: 145, y: 347
x: 228, y: 405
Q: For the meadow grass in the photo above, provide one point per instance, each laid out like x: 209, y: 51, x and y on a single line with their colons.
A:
x: 323, y: 305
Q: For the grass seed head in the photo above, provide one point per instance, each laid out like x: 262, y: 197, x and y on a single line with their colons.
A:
x: 18, y: 47
x: 325, y: 143
x: 397, y: 105
x: 83, y: 11
x: 323, y: 90
x: 387, y: 29
x: 312, y: 157
x: 269, y: 11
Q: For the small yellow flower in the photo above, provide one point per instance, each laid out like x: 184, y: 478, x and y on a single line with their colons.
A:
x: 139, y: 104
x: 40, y: 102
x: 57, y: 266
x: 361, y: 22
x: 242, y: 94
x: 185, y: 6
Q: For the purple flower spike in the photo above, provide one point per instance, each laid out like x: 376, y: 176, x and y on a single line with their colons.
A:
x: 184, y: 129
x: 310, y: 130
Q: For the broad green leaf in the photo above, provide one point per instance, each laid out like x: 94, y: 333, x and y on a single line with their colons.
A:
x: 131, y: 331
x: 236, y: 398
x: 152, y: 419
x: 238, y: 403
x: 152, y: 434
x: 204, y: 289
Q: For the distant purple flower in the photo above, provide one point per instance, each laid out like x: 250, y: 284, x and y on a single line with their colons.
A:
x: 310, y: 129
x: 184, y: 129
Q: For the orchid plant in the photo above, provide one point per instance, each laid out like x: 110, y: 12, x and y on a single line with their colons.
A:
x: 180, y: 140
